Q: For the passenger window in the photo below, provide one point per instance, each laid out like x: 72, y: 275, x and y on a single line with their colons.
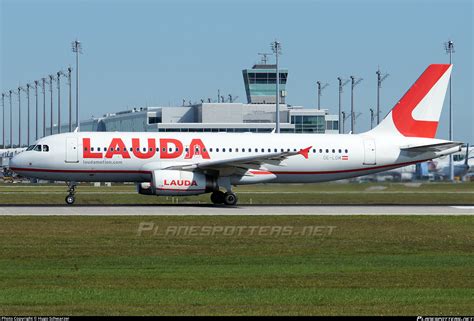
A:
x: 263, y: 150
x: 314, y: 151
x: 340, y: 151
x: 347, y: 151
x: 333, y: 151
x: 327, y: 151
x: 217, y: 149
x: 230, y: 150
x: 223, y: 150
x: 320, y: 151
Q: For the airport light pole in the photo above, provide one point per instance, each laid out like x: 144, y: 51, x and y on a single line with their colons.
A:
x: 342, y: 83
x: 380, y: 79
x: 28, y: 86
x: 3, y: 120
x: 77, y: 48
x: 19, y: 115
x: 69, y: 70
x: 354, y: 82
x: 43, y: 88
x: 50, y: 83
x: 449, y: 48
x: 11, y: 118
x: 371, y: 118
x: 36, y: 107
x: 320, y: 89
x: 276, y: 48
x: 58, y: 78
x: 343, y: 121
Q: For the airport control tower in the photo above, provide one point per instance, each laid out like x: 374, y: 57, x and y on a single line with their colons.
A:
x: 260, y: 83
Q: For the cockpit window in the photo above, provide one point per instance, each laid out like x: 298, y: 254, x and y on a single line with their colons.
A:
x: 37, y: 148
x: 30, y: 147
x: 45, y: 148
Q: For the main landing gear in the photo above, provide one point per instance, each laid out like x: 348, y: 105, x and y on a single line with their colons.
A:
x: 228, y: 198
x: 72, y: 190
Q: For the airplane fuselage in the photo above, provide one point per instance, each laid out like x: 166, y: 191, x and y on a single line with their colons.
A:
x: 130, y: 157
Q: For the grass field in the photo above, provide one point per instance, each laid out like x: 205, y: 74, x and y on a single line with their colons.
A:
x: 323, y: 193
x: 368, y: 265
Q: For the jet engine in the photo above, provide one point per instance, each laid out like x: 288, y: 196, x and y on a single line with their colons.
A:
x: 178, y: 183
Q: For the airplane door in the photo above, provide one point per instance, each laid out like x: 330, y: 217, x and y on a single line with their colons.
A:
x: 71, y: 150
x: 369, y: 152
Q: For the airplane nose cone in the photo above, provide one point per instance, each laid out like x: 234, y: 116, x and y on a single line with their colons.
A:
x: 14, y: 162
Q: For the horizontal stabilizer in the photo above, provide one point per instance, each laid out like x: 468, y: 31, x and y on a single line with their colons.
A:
x: 438, y: 147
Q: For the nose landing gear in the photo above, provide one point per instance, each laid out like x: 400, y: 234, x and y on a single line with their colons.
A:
x: 72, y: 190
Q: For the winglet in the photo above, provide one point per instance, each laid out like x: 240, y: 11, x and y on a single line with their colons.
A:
x: 305, y: 152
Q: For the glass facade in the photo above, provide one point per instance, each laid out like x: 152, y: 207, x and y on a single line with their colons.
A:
x: 216, y: 130
x: 332, y: 125
x: 309, y: 123
x: 265, y: 77
x: 260, y: 84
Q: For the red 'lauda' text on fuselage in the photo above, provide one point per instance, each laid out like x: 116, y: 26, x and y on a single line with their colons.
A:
x: 169, y: 148
x: 179, y: 182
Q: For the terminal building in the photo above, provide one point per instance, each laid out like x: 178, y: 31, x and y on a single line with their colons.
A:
x: 257, y: 115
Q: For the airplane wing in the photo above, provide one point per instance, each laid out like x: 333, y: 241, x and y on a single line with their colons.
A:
x: 438, y: 147
x: 243, y: 162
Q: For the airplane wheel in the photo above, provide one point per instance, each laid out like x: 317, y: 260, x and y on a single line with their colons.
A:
x: 70, y: 199
x: 230, y: 198
x: 217, y: 197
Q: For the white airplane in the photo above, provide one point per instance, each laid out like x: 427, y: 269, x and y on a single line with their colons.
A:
x: 463, y: 163
x: 196, y: 163
x: 438, y: 169
x: 7, y: 153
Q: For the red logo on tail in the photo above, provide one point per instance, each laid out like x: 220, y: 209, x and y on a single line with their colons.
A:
x: 402, y: 112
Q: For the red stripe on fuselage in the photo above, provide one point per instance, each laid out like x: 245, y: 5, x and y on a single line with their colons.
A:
x: 265, y: 173
x: 83, y: 171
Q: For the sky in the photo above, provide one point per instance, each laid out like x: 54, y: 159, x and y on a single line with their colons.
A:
x: 156, y: 53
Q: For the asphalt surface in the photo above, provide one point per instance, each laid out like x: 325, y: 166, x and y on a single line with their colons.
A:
x: 183, y: 210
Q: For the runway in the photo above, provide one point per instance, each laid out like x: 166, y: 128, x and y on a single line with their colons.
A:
x: 210, y: 210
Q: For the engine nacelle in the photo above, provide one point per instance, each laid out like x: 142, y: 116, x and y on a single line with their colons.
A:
x: 178, y: 183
